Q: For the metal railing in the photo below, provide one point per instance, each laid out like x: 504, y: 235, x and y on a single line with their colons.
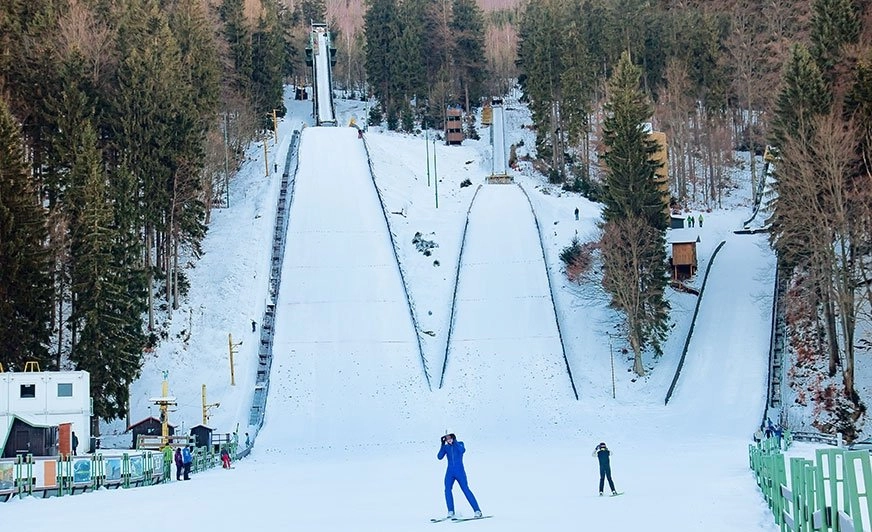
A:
x: 268, y: 325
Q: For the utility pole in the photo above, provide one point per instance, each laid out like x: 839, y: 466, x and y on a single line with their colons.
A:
x: 226, y: 162
x: 427, y: 148
x: 207, y: 407
x: 275, y: 128
x: 232, y: 347
x: 612, y: 359
x: 164, y: 402
x: 265, y: 158
x: 435, y: 175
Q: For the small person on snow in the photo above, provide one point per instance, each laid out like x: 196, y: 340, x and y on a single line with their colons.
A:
x: 75, y: 443
x: 225, y: 459
x: 247, y: 441
x: 700, y: 220
x: 602, y: 454
x: 180, y: 464
x: 576, y: 214
x: 253, y: 325
x: 454, y: 451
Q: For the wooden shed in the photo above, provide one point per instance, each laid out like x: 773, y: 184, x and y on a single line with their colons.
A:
x: 453, y: 125
x: 150, y: 426
x: 202, y: 435
x: 684, y: 263
x: 27, y: 438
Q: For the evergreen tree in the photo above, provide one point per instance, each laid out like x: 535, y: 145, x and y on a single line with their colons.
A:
x: 25, y: 280
x: 313, y: 11
x: 197, y: 102
x: 804, y: 94
x: 410, y: 52
x: 630, y: 187
x: 238, y: 37
x: 100, y: 347
x: 381, y: 23
x: 835, y: 23
x: 540, y: 54
x: 637, y: 281
x: 467, y: 28
x: 267, y: 63
x: 858, y: 104
x: 577, y: 84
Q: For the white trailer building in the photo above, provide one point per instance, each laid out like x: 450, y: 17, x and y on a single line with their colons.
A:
x: 44, y: 399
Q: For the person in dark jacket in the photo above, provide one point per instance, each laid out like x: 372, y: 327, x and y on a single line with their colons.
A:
x: 75, y: 443
x: 602, y: 454
x: 180, y: 465
x: 187, y: 460
x: 453, y: 450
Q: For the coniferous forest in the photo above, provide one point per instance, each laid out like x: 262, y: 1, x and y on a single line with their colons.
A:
x: 122, y: 121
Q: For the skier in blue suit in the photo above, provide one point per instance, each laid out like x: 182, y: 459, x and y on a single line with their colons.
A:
x: 454, y: 451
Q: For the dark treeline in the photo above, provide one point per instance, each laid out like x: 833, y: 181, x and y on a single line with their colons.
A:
x: 121, y: 123
x: 423, y: 56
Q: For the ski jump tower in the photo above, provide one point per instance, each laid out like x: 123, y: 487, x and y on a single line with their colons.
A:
x: 321, y: 56
x: 499, y: 174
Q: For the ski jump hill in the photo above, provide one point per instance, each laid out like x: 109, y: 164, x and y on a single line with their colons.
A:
x: 350, y: 323
x: 504, y: 347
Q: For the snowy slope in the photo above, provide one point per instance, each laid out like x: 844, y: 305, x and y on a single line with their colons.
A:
x: 504, y: 356
x: 352, y: 431
x: 345, y: 347
x: 735, y: 309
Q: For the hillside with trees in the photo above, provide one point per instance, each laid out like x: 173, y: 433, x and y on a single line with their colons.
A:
x: 122, y: 122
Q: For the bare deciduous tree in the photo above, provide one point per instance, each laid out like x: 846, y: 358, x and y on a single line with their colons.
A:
x: 81, y: 33
x: 821, y: 201
x: 627, y: 247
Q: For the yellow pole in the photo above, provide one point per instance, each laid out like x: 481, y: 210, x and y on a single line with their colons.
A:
x: 205, y: 420
x: 265, y: 159
x: 164, y: 411
x: 275, y: 128
x: 232, y: 375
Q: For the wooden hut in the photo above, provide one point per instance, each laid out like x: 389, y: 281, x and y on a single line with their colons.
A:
x: 453, y: 125
x: 150, y: 426
x: 684, y: 262
x: 28, y: 438
x: 202, y: 435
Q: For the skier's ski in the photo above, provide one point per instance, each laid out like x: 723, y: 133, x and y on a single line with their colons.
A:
x: 440, y: 519
x: 461, y: 519
x: 616, y: 494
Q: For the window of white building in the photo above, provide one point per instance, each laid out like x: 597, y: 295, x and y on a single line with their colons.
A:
x: 28, y: 391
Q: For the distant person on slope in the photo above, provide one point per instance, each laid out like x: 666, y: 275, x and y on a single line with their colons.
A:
x: 602, y: 454
x: 454, y: 451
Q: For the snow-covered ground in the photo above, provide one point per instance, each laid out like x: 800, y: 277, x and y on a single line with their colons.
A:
x: 352, y: 428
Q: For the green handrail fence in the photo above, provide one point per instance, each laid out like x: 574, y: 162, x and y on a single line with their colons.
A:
x: 827, y: 494
x: 26, y: 475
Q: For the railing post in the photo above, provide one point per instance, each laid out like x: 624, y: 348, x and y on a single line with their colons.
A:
x: 828, y: 485
x: 853, y: 505
x: 125, y: 471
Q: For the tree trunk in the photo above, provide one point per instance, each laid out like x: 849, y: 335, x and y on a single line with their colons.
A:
x: 149, y: 278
